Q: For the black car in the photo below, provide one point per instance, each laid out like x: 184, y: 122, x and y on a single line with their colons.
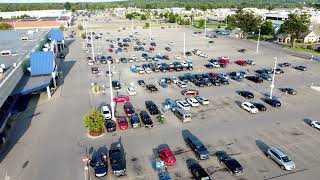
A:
x: 232, y: 165
x: 100, y: 164
x: 255, y: 79
x: 278, y: 71
x: 151, y: 88
x: 223, y: 81
x: 116, y: 84
x: 260, y: 107
x: 135, y: 121
x: 123, y: 60
x: 272, y: 102
x: 188, y: 53
x: 146, y: 119
x: 153, y: 44
x: 290, y: 91
x: 110, y: 125
x: 152, y: 107
x: 301, y: 68
x: 142, y: 83
x: 242, y: 50
x: 261, y: 71
x: 246, y: 94
x: 62, y: 55
x: 117, y: 161
x: 196, y: 145
x: 198, y: 172
x: 284, y: 64
x: 167, y: 49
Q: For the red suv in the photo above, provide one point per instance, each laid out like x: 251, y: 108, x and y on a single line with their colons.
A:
x: 224, y: 61
x: 241, y: 62
x: 128, y: 109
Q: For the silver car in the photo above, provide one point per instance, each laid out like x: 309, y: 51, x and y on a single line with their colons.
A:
x: 280, y: 158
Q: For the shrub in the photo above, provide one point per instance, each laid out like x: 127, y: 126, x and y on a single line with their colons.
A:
x: 94, y: 122
x: 80, y: 27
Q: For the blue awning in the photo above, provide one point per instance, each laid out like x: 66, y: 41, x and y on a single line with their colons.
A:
x: 56, y: 34
x: 42, y: 63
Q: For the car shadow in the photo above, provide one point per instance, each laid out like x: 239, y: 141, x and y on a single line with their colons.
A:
x: 262, y: 146
x: 190, y: 162
x: 307, y: 121
x: 238, y: 103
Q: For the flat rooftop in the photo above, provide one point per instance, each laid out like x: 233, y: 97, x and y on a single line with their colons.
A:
x: 11, y: 40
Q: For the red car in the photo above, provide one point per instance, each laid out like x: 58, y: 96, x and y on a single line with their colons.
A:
x: 167, y: 156
x: 122, y: 122
x: 110, y: 50
x: 214, y: 75
x: 151, y: 48
x: 241, y: 62
x: 121, y: 99
x: 128, y: 109
x: 166, y: 57
x: 224, y: 61
x: 188, y: 92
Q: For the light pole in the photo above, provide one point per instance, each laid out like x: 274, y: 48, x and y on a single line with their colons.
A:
x: 150, y: 32
x: 273, y: 76
x: 184, y: 44
x: 92, y: 49
x: 111, y: 93
x: 132, y: 25
x: 85, y: 22
x: 258, y: 40
x: 205, y: 28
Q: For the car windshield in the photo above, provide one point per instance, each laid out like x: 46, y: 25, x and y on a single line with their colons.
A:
x: 202, y: 148
x: 252, y: 107
x: 171, y: 158
x: 105, y: 112
x: 285, y: 159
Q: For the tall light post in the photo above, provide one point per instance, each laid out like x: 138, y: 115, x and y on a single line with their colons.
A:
x: 205, y: 27
x: 132, y: 25
x: 111, y: 93
x: 184, y: 44
x: 273, y: 76
x: 150, y: 32
x: 92, y: 49
x: 258, y: 40
x: 85, y: 22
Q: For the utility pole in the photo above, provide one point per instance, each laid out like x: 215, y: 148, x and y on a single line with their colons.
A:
x: 273, y: 76
x: 85, y: 22
x: 258, y: 40
x: 205, y: 28
x: 111, y: 93
x: 132, y: 25
x: 92, y: 49
x: 184, y: 44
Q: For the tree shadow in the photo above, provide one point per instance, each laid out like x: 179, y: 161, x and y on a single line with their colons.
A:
x: 262, y: 146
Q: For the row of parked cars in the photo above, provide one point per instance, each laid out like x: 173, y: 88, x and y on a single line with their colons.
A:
x: 162, y: 67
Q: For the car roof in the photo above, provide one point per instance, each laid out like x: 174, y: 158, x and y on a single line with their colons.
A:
x: 278, y: 151
x: 105, y: 108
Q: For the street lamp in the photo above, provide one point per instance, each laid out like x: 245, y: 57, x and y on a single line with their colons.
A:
x: 111, y: 93
x: 258, y: 40
x: 184, y: 44
x: 273, y: 76
x: 205, y: 27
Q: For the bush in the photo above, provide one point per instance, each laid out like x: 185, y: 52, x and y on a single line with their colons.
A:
x: 4, y: 26
x: 309, y: 47
x: 61, y: 27
x: 80, y: 27
x: 83, y: 35
x: 318, y: 49
x: 146, y: 25
x: 94, y: 122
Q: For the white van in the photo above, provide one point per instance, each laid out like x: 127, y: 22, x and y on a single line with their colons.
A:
x: 182, y: 114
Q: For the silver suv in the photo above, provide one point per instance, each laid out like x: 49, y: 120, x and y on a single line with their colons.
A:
x: 280, y: 158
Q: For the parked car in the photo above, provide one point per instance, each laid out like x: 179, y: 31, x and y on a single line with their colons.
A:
x: 167, y: 48
x: 315, y: 124
x: 260, y: 106
x: 134, y: 121
x: 249, y: 107
x: 193, y: 102
x: 290, y: 91
x: 285, y: 64
x: 141, y: 83
x: 121, y: 99
x: 246, y: 94
x: 152, y: 107
x: 122, y: 122
x: 188, y: 92
x: 131, y: 91
x: 100, y: 164
x: 280, y: 158
x: 202, y: 100
x: 117, y: 161
x: 265, y: 76
x: 241, y: 62
x: 106, y: 112
x: 242, y: 50
x: 255, y: 79
x: 232, y: 165
x: 128, y: 109
x: 110, y: 125
x: 197, y: 146
x: 251, y: 62
x: 272, y: 102
x: 167, y: 156
x: 301, y: 68
x: 151, y: 88
x: 183, y: 104
x: 146, y: 119
x: 198, y: 172
x: 116, y: 84
x: 95, y: 70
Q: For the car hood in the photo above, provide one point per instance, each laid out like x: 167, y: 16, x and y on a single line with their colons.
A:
x: 118, y: 166
x: 289, y: 164
x: 100, y: 170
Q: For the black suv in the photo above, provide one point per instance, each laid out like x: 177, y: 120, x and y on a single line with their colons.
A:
x: 273, y: 102
x: 152, y: 107
x: 117, y: 161
x: 146, y: 119
x: 196, y: 145
x: 255, y: 79
x: 100, y: 164
x: 116, y: 84
x: 110, y: 125
x: 152, y: 88
x: 141, y: 83
x: 198, y: 172
x: 290, y: 91
x: 232, y: 165
x: 246, y: 94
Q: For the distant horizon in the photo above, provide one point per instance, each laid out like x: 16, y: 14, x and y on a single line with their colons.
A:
x: 55, y: 1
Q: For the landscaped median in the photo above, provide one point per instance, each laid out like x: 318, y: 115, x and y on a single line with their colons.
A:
x: 300, y: 49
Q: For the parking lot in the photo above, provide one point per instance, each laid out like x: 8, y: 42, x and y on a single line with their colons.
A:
x: 222, y: 125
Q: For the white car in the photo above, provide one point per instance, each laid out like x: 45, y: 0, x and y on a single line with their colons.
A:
x: 193, y: 102
x: 117, y: 60
x: 90, y: 62
x: 182, y: 84
x: 249, y: 107
x: 203, y: 55
x: 175, y: 80
x: 142, y: 59
x: 131, y: 91
x: 133, y: 57
x: 184, y: 64
x: 202, y: 100
x: 215, y: 64
x: 131, y: 60
x: 171, y: 43
x: 148, y: 70
x: 137, y: 60
x: 106, y: 112
x: 177, y: 57
x: 183, y: 104
x: 315, y: 124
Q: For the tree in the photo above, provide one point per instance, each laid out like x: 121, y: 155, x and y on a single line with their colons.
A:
x: 83, y: 35
x: 146, y: 25
x: 80, y: 27
x: 266, y: 28
x: 246, y: 21
x: 67, y: 5
x: 295, y: 26
x: 201, y: 23
x: 204, y: 7
x: 94, y: 122
x: 188, y: 7
x: 143, y: 17
x: 61, y: 27
x: 130, y: 16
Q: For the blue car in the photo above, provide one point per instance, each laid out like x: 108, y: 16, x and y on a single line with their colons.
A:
x: 100, y: 165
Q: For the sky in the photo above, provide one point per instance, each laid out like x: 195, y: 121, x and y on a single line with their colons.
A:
x: 55, y: 1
